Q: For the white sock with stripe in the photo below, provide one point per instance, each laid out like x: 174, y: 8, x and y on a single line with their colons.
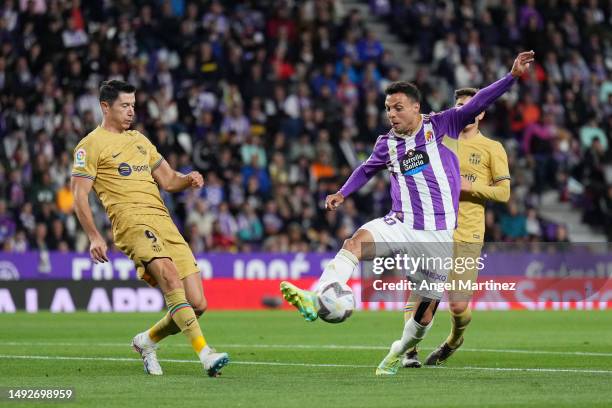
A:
x: 339, y: 269
x: 412, y: 335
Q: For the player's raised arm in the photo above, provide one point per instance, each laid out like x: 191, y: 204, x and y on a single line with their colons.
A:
x: 360, y: 176
x: 81, y: 186
x: 463, y: 116
x: 173, y: 181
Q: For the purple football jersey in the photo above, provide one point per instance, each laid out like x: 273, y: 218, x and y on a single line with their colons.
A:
x: 425, y: 179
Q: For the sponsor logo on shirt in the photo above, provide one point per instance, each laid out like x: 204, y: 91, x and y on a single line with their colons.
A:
x: 138, y: 169
x: 124, y: 169
x: 470, y: 177
x: 79, y: 158
x: 415, y: 161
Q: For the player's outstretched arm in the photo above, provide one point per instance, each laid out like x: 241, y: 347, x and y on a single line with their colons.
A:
x: 81, y: 187
x: 173, y: 181
x: 466, y: 114
x: 360, y: 176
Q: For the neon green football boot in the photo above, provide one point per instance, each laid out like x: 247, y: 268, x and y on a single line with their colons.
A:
x: 390, y: 364
x: 303, y: 300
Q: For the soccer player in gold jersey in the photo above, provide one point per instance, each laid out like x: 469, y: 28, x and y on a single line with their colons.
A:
x: 125, y: 170
x: 484, y: 177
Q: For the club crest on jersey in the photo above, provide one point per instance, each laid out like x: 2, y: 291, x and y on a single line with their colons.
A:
x: 415, y: 161
x: 429, y: 136
x: 475, y: 158
x: 141, y: 149
x: 79, y: 158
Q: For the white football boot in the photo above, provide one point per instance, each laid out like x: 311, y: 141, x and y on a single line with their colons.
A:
x: 147, y: 350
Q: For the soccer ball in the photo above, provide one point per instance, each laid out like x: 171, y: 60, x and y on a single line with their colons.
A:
x: 336, y: 302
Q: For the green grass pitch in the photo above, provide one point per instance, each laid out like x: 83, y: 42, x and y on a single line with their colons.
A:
x: 509, y: 359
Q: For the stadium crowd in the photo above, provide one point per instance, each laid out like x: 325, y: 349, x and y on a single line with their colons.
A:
x: 275, y: 102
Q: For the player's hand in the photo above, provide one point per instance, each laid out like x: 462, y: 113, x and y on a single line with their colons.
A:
x: 466, y: 185
x: 333, y: 201
x: 522, y: 63
x: 97, y: 250
x: 195, y: 179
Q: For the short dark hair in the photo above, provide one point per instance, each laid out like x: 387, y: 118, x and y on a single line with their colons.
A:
x: 463, y: 92
x: 407, y: 88
x: 110, y: 90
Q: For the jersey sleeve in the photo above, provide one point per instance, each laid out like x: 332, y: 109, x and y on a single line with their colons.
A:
x: 362, y: 174
x: 155, y: 159
x: 452, y: 121
x: 86, y: 156
x: 499, y: 163
x: 499, y: 190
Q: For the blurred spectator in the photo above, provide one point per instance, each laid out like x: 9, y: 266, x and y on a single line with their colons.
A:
x: 276, y: 105
x: 513, y: 224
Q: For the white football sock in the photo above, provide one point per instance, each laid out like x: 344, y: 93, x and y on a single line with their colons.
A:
x: 412, y: 335
x: 339, y: 269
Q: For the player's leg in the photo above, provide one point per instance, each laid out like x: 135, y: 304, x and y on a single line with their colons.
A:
x: 338, y: 269
x: 435, y: 246
x: 411, y: 357
x: 212, y: 361
x: 182, y: 313
x: 177, y: 249
x: 195, y: 296
x: 461, y: 316
x: 415, y: 329
x: 459, y: 302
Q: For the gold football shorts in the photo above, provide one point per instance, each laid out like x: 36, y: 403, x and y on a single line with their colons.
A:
x: 465, y: 271
x: 146, y: 237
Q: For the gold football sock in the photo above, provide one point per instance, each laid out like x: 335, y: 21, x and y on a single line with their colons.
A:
x: 459, y: 324
x: 181, y: 312
x: 165, y: 327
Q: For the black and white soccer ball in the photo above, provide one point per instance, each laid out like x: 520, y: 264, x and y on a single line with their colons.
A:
x: 336, y: 302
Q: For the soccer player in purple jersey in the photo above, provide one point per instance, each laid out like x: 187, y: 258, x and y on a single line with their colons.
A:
x: 425, y: 187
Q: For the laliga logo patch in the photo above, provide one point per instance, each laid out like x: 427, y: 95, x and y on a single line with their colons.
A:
x: 415, y: 161
x: 79, y: 158
x: 124, y: 169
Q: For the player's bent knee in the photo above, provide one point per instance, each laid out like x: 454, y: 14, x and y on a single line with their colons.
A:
x: 200, y: 307
x: 350, y: 244
x: 457, y: 308
x: 353, y: 245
